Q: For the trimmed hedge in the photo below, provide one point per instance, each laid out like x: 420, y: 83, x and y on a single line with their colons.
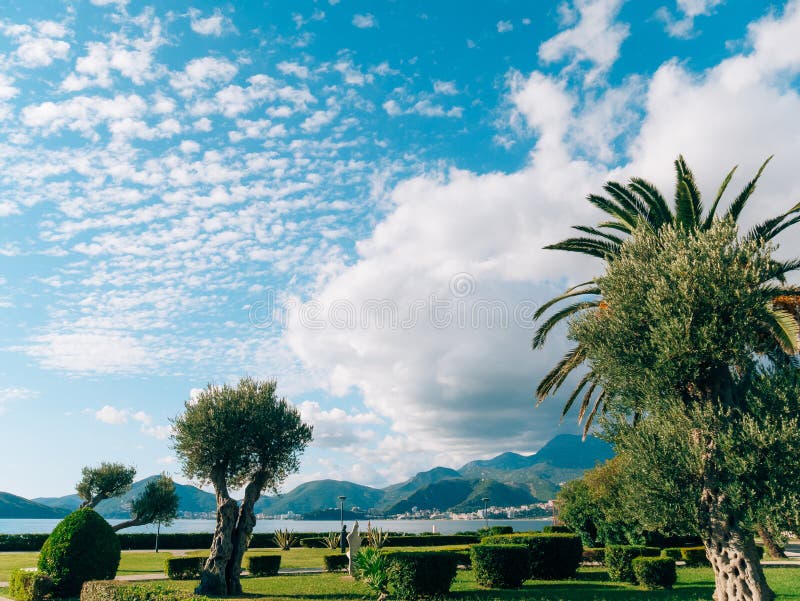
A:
x: 594, y: 555
x: 413, y: 575
x: 619, y: 557
x: 110, y: 590
x: 654, y: 572
x: 500, y: 566
x: 263, y: 565
x: 82, y: 547
x: 22, y: 542
x: 552, y: 556
x: 694, y: 556
x: 672, y: 553
x: 184, y: 568
x: 557, y: 530
x: 29, y: 586
x: 336, y: 562
x: 415, y: 540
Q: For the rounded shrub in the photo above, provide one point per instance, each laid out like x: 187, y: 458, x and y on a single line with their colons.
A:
x: 619, y: 557
x: 552, y: 556
x: 82, y: 547
x: 654, y: 572
x: 416, y: 574
x: 184, y: 568
x: 672, y: 553
x: 500, y: 566
x: 694, y: 556
x: 263, y: 565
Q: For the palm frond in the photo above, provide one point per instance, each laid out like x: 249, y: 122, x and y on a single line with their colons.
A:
x: 766, y: 231
x: 587, y: 399
x: 552, y: 321
x: 587, y: 246
x: 599, y: 405
x: 713, y: 210
x: 627, y: 199
x: 653, y: 198
x: 612, y: 208
x: 688, y: 206
x: 740, y: 201
x: 616, y: 225
x: 784, y: 328
x: 574, y: 291
x: 589, y: 376
x: 556, y: 376
x: 595, y: 232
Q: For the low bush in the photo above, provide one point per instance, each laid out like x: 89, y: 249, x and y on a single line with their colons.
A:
x: 672, y: 553
x: 500, y: 566
x: 82, y: 547
x: 29, y: 586
x: 552, y: 556
x: 372, y: 568
x: 22, y: 542
x: 105, y: 590
x: 619, y: 557
x: 263, y: 565
x: 184, y: 568
x: 594, y: 555
x: 495, y: 531
x: 654, y: 572
x: 694, y: 556
x: 335, y: 562
x: 394, y: 540
x: 557, y: 530
x: 413, y: 575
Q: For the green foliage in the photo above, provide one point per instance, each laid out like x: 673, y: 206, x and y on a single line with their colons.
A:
x: 673, y: 553
x: 376, y: 538
x: 335, y: 563
x: 330, y: 540
x: 558, y: 530
x: 500, y: 566
x: 594, y: 555
x: 373, y: 569
x: 619, y: 560
x: 264, y: 565
x: 245, y: 430
x: 103, y: 482
x: 285, y: 539
x: 158, y: 502
x: 22, y: 542
x: 81, y: 547
x: 396, y: 540
x: 495, y: 531
x: 552, y: 556
x: 413, y: 575
x: 25, y: 585
x: 184, y: 568
x: 654, y: 572
x: 694, y: 556
x: 100, y: 590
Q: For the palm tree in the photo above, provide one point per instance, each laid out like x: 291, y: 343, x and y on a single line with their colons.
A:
x: 640, y: 204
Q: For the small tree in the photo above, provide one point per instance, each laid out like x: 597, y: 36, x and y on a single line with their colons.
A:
x: 103, y: 482
x: 237, y: 437
x: 157, y: 504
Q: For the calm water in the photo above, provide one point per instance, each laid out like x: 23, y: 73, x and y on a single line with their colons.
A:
x: 411, y: 526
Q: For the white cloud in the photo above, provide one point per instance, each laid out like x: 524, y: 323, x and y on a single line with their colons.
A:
x: 289, y: 68
x: 13, y: 394
x: 111, y: 415
x: 595, y: 39
x: 215, y: 25
x: 337, y: 429
x: 203, y: 73
x: 102, y: 352
x: 448, y: 88
x: 690, y: 9
x: 504, y: 26
x: 366, y: 21
x: 39, y: 46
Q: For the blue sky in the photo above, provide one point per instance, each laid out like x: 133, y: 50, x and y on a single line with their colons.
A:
x: 193, y: 192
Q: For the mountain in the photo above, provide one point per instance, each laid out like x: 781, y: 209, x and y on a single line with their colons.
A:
x: 571, y: 452
x: 191, y: 500
x: 320, y: 494
x: 16, y: 508
x: 499, y: 494
x: 398, y: 492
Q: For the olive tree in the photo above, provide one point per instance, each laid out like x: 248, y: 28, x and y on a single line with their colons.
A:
x: 104, y: 482
x: 157, y: 504
x: 687, y: 342
x: 237, y: 437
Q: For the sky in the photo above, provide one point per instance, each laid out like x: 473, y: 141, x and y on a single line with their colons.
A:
x: 350, y: 197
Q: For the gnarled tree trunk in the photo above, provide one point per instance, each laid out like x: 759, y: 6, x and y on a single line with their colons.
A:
x: 214, y: 578
x: 245, y: 524
x: 738, y: 575
x: 773, y: 549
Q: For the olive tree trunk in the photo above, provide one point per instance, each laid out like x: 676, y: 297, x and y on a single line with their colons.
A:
x: 128, y: 524
x: 245, y: 524
x: 214, y: 578
x: 738, y: 575
x: 773, y: 549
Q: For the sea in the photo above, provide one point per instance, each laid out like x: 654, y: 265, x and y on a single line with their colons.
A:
x: 409, y: 526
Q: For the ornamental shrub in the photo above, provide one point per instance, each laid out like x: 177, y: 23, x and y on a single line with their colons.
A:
x: 594, y: 555
x: 672, y: 553
x: 82, y: 547
x: 552, y: 556
x: 184, y: 568
x: 654, y: 572
x: 417, y: 574
x: 263, y: 565
x: 694, y: 556
x: 619, y: 557
x: 335, y: 562
x: 557, y: 530
x: 29, y: 586
x: 500, y: 566
x: 105, y: 590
